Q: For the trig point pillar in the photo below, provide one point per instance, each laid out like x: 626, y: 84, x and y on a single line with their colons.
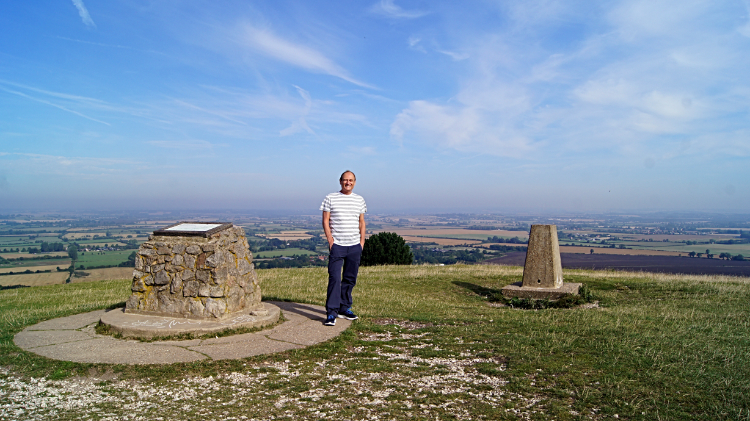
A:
x: 542, y: 272
x: 543, y: 268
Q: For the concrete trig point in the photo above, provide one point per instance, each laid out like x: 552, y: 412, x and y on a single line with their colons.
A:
x: 542, y: 271
x: 192, y: 277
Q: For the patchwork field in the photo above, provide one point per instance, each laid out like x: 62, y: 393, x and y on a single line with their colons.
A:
x: 458, y: 233
x: 605, y: 250
x: 39, y: 279
x: 28, y: 255
x: 283, y: 253
x: 104, y: 258
x: 18, y: 269
x: 105, y: 274
x: 34, y: 279
x: 287, y: 235
x: 440, y: 241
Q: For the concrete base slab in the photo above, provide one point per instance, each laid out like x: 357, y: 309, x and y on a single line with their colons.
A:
x: 256, y: 346
x: 75, y: 339
x: 517, y: 290
x: 28, y: 339
x: 133, y: 325
x: 77, y: 321
x: 113, y: 351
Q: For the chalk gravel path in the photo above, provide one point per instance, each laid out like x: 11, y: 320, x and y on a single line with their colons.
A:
x: 74, y: 339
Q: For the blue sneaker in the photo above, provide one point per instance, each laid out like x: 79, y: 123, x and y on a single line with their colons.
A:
x: 348, y: 315
x: 330, y: 321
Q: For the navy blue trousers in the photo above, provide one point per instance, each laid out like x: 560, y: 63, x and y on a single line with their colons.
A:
x: 339, y: 297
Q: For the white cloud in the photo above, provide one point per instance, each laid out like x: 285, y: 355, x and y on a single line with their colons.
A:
x: 84, y: 13
x: 454, y: 55
x: 295, y: 54
x: 462, y: 127
x: 621, y: 87
x: 390, y: 9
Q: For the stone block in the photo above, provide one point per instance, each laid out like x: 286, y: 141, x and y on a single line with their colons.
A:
x: 203, y: 275
x: 138, y: 286
x: 161, y: 278
x: 215, y: 259
x: 176, y: 285
x: 215, y: 307
x: 193, y: 249
x: 189, y: 261
x: 190, y: 289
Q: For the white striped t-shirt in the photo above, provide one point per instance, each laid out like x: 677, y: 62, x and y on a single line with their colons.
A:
x: 345, y: 210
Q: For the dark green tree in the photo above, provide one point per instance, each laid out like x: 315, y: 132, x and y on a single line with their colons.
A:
x: 386, y: 248
x: 73, y: 252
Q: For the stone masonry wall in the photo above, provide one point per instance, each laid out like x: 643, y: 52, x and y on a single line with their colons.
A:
x: 195, y: 277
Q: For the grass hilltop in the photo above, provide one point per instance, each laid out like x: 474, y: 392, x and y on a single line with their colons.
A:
x: 432, y: 343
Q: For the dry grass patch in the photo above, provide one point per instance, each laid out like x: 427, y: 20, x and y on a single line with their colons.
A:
x: 34, y: 279
x: 34, y: 268
x: 105, y: 274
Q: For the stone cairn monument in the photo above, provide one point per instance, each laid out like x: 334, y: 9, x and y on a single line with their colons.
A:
x: 542, y: 271
x: 196, y: 270
x: 192, y: 277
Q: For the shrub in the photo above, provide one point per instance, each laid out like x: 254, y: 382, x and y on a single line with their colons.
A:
x: 386, y: 248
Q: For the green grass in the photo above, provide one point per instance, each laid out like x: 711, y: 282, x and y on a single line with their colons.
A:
x: 283, y: 252
x: 429, y: 346
x: 97, y: 258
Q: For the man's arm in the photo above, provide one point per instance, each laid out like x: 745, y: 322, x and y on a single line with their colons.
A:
x: 327, y: 228
x: 362, y: 230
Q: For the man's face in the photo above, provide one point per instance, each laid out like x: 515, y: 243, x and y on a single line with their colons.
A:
x: 347, y: 183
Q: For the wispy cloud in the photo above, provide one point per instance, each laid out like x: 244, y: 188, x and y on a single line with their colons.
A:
x: 52, y: 104
x: 185, y: 145
x: 295, y: 54
x: 454, y: 55
x: 36, y: 164
x: 84, y: 13
x: 300, y: 124
x: 390, y: 9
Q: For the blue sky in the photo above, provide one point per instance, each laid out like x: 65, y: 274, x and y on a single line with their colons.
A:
x: 478, y: 106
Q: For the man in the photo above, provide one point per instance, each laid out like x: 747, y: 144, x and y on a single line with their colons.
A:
x: 344, y: 227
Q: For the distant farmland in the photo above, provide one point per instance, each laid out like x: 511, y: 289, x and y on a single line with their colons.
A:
x: 440, y: 241
x: 658, y: 264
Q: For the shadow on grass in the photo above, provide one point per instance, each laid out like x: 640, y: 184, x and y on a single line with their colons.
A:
x: 116, y: 305
x: 490, y: 293
x: 2, y: 288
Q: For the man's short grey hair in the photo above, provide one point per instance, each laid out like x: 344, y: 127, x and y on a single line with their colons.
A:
x: 347, y: 171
